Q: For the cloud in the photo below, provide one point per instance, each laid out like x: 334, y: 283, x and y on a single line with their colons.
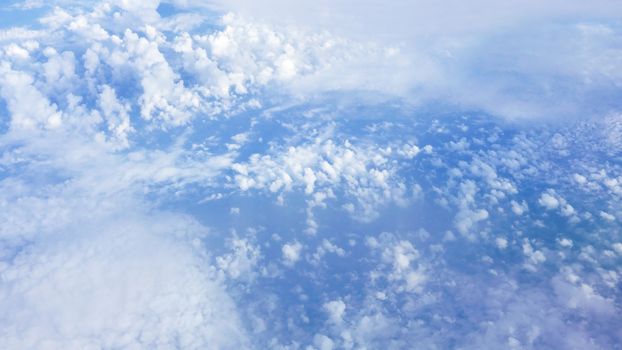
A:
x: 291, y: 253
x: 520, y: 61
x: 86, y: 261
x: 29, y: 108
x: 524, y: 60
x: 115, y: 124
x: 120, y: 277
x: 324, y: 165
x: 548, y: 201
x: 519, y: 208
x: 412, y: 18
x: 335, y: 310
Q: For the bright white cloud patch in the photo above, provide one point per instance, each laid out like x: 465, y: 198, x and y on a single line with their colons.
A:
x: 548, y: 201
x: 124, y: 285
x: 504, y: 58
x: 291, y: 253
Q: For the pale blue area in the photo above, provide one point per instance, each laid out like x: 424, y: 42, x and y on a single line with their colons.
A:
x: 11, y: 16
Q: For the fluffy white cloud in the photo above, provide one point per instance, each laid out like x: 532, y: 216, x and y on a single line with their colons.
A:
x: 581, y: 296
x: 548, y: 201
x: 400, y: 265
x: 533, y: 256
x: 335, y: 310
x: 29, y: 108
x: 323, y: 166
x: 242, y: 260
x: 501, y: 242
x: 519, y: 208
x: 291, y: 253
x: 606, y: 216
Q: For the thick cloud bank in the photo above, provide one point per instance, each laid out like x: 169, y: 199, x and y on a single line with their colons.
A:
x: 553, y: 60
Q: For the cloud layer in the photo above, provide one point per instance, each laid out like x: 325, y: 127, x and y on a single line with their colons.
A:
x: 299, y: 177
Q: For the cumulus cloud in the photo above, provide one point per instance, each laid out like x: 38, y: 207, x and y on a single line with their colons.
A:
x: 548, y: 201
x: 323, y: 166
x: 291, y: 253
x: 480, y: 48
x: 335, y: 310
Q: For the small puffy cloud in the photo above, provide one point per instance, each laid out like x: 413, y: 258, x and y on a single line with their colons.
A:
x: 501, y: 242
x: 519, y: 208
x: 321, y: 167
x: 565, y: 242
x: 466, y: 219
x: 579, y: 179
x: 551, y: 200
x: 606, y: 216
x: 241, y: 261
x: 548, y: 201
x: 335, y: 310
x: 400, y: 264
x: 323, y: 342
x: 324, y: 248
x: 409, y: 151
x: 116, y: 115
x: 291, y: 253
x: 16, y: 52
x: 533, y: 256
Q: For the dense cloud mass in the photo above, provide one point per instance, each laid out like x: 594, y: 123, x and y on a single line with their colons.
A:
x: 245, y: 175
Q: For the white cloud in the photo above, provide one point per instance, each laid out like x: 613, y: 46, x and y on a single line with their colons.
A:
x: 29, y: 108
x: 16, y: 51
x: 466, y: 219
x: 125, y: 279
x: 522, y: 60
x: 242, y: 260
x: 519, y: 208
x: 291, y: 253
x: 606, y: 216
x: 580, y: 179
x: 548, y: 201
x: 501, y: 242
x: 336, y: 310
x: 400, y: 265
x: 323, y: 166
x: 551, y: 200
x: 323, y: 342
x: 581, y: 296
x: 324, y: 248
x: 534, y: 256
x: 565, y: 242
x: 116, y: 115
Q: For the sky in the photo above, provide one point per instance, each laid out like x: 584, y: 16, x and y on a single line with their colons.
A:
x: 184, y: 174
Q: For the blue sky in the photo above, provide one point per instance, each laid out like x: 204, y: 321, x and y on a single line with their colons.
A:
x: 262, y: 175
